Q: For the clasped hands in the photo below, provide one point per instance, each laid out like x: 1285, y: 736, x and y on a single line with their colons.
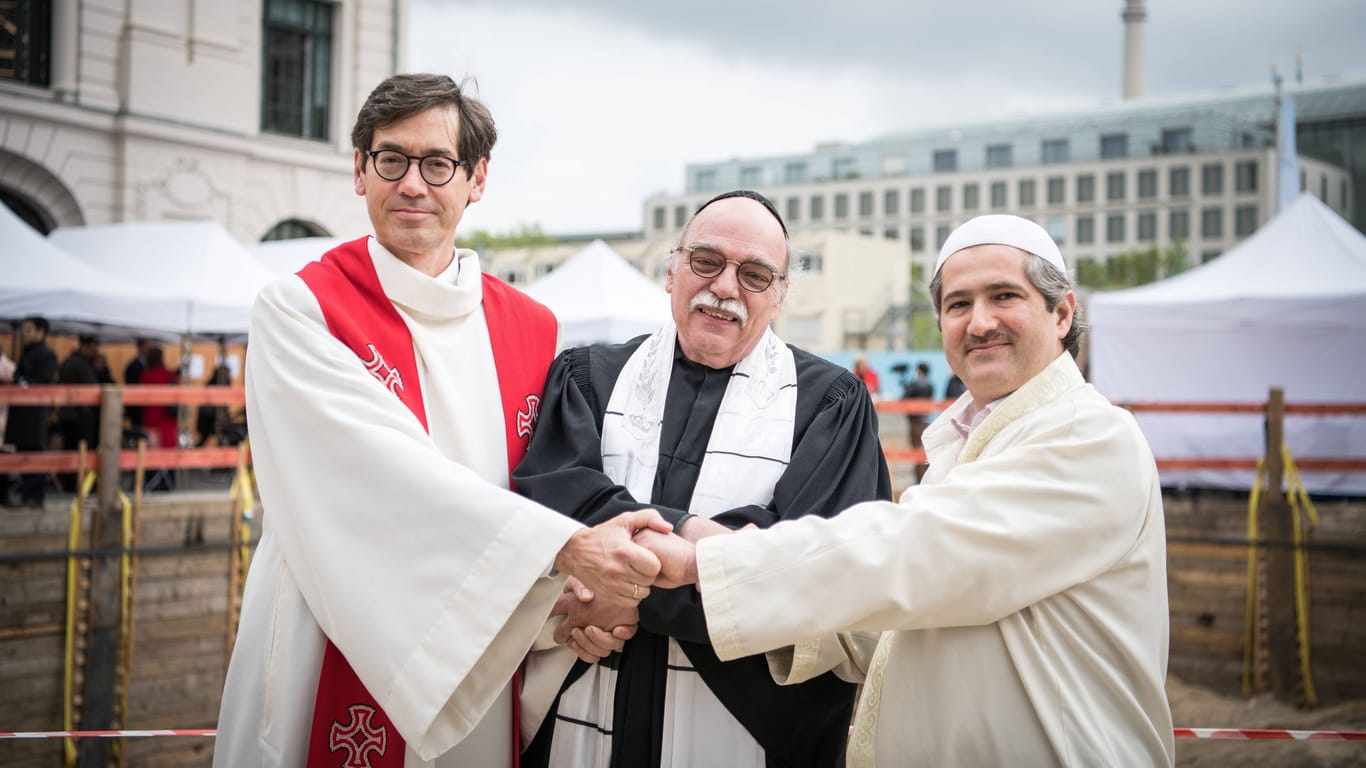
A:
x: 613, y: 566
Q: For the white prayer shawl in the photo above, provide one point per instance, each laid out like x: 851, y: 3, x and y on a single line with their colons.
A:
x: 1021, y: 602
x: 405, y: 548
x: 747, y: 452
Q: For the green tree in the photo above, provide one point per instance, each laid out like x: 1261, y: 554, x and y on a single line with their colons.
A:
x: 1133, y: 268
x: 523, y: 236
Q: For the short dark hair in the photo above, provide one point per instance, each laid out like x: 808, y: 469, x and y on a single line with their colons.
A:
x: 86, y: 338
x: 155, y: 357
x: 39, y: 322
x: 400, y: 97
x: 923, y: 368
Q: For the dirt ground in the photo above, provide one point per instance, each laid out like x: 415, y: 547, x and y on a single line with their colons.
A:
x: 1196, y: 707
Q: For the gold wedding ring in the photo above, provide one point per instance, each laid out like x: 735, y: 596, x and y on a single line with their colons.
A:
x: 635, y: 591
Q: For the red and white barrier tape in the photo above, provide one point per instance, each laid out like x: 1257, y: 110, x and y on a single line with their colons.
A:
x: 102, y: 734
x: 1237, y: 734
x: 1268, y: 733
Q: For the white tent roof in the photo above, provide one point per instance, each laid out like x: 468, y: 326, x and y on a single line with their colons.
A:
x: 1274, y: 263
x: 194, y: 261
x: 285, y: 257
x: 1285, y: 308
x: 42, y: 279
x: 600, y: 297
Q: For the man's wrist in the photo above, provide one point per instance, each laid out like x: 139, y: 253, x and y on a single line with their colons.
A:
x: 678, y: 525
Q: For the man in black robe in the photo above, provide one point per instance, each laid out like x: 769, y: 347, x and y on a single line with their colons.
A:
x: 721, y: 316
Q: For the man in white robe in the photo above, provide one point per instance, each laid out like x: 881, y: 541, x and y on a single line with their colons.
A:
x: 1020, y: 590
x: 383, y: 426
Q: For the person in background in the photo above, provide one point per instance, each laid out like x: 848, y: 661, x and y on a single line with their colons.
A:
x: 26, y: 426
x: 162, y: 422
x: 210, y: 419
x: 79, y: 423
x: 7, y: 367
x: 955, y: 388
x: 132, y: 374
x: 867, y: 375
x: 918, y: 388
x: 102, y: 373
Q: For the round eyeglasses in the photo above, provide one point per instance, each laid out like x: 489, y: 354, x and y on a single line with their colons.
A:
x: 392, y: 165
x: 754, y: 276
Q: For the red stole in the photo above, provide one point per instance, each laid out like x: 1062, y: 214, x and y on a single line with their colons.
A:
x: 349, y: 727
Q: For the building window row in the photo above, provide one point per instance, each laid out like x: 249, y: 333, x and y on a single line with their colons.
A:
x: 995, y: 195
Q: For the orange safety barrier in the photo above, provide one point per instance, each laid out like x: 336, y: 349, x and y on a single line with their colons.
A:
x: 66, y: 461
x: 1291, y: 409
x: 917, y: 406
x: 923, y: 406
x: 141, y: 394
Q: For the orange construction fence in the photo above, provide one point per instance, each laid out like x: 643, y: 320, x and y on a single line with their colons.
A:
x: 1345, y: 464
x: 141, y: 395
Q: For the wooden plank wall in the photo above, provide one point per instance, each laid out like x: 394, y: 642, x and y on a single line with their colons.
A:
x: 180, y: 640
x: 1207, y: 592
x: 181, y: 608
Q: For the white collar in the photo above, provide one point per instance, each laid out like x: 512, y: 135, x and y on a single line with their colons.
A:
x: 454, y: 293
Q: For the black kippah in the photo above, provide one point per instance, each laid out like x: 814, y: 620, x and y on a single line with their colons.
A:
x: 752, y: 195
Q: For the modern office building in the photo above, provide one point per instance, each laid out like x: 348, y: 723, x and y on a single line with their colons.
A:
x: 1201, y: 171
x: 233, y: 110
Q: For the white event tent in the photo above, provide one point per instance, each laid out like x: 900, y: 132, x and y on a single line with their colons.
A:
x: 196, y: 262
x: 600, y: 297
x: 41, y: 278
x: 1285, y: 308
x: 285, y: 257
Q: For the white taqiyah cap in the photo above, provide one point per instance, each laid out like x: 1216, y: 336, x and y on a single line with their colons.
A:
x: 1002, y: 229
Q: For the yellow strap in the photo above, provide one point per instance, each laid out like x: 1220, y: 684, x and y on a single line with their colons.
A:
x: 242, y: 492
x: 125, y: 615
x: 1299, y: 500
x: 1250, y: 618
x: 73, y: 541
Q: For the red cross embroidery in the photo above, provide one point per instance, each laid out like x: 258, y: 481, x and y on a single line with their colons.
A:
x: 359, y: 738
x: 388, y: 376
x: 526, y: 420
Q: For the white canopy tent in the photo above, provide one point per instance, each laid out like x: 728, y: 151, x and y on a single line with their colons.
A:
x: 196, y: 262
x: 40, y: 278
x: 285, y: 257
x: 1285, y: 308
x: 600, y: 297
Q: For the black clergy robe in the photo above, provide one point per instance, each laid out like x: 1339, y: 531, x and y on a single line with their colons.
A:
x: 836, y: 462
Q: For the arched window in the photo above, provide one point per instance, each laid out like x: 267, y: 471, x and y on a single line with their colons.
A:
x: 26, y: 210
x: 292, y: 229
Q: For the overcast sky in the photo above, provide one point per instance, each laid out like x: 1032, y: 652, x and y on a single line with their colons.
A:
x: 603, y: 103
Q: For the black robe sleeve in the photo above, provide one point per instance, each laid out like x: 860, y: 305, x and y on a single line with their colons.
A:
x: 562, y: 468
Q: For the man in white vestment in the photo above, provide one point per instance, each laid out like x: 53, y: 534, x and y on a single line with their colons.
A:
x: 716, y: 423
x: 390, y: 389
x: 1020, y: 590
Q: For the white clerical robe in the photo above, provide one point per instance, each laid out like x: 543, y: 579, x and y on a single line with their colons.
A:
x: 406, y: 549
x: 1020, y: 592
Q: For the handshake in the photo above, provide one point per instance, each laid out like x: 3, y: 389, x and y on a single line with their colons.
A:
x: 612, y: 567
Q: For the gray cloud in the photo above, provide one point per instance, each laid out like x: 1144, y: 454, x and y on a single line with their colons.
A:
x: 1072, y: 46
